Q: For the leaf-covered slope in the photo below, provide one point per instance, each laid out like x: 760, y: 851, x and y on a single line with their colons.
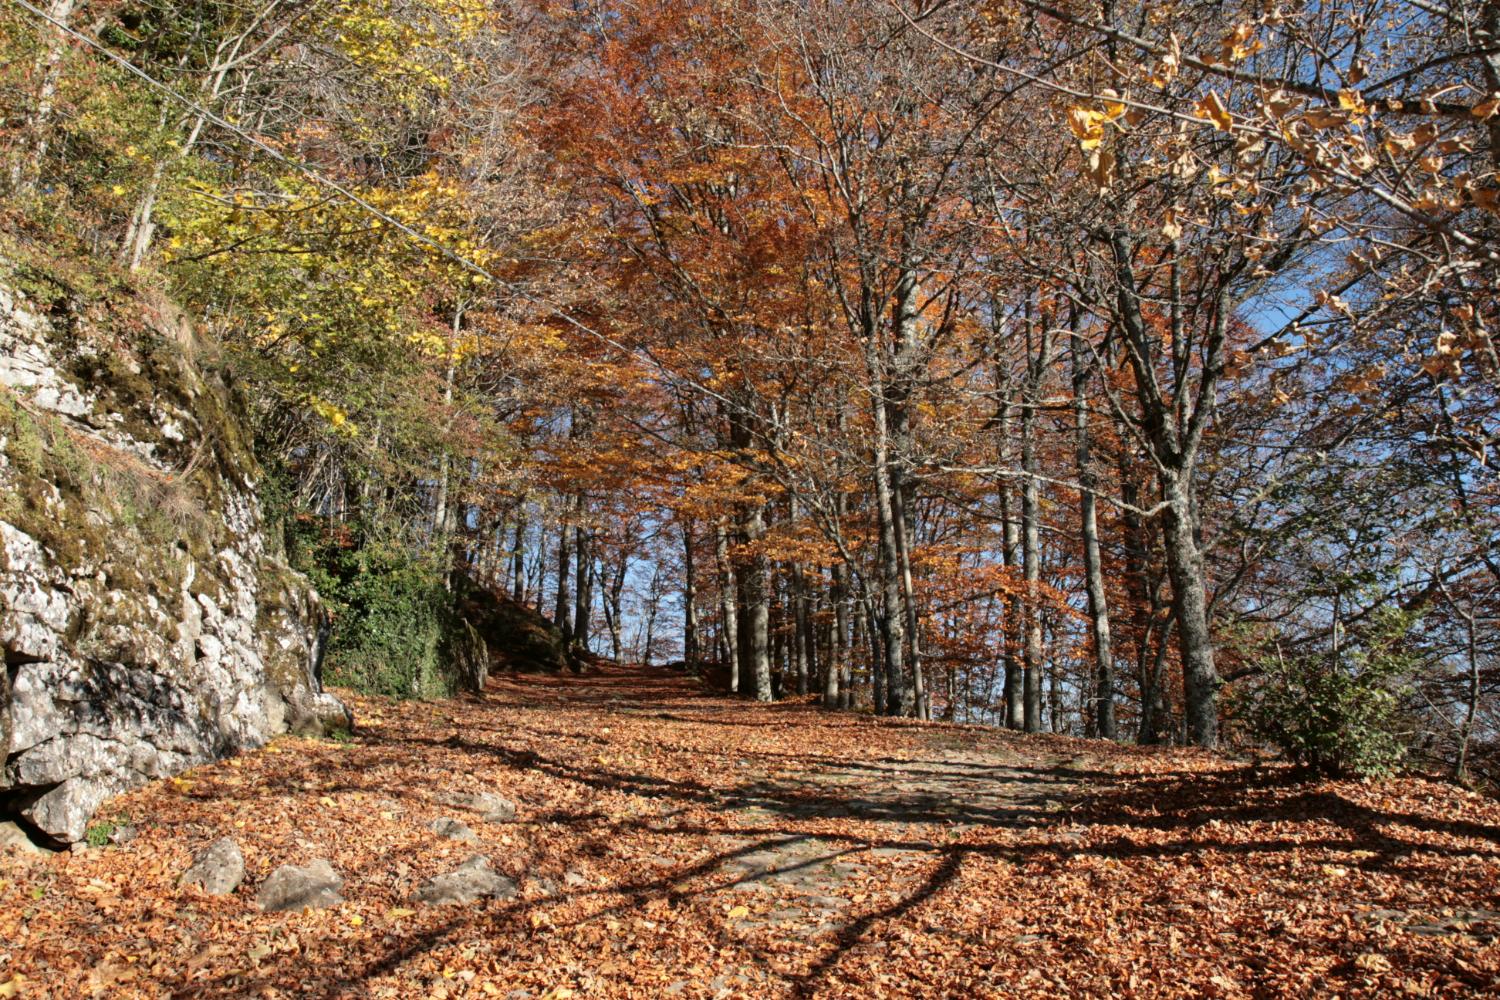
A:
x: 671, y: 843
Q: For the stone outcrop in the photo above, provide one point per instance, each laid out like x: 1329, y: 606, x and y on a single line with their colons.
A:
x: 515, y: 636
x: 492, y: 808
x: 449, y: 828
x: 218, y: 869
x: 470, y: 881
x: 301, y: 888
x: 147, y: 621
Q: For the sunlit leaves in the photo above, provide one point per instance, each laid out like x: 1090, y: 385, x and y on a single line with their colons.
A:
x: 1211, y: 107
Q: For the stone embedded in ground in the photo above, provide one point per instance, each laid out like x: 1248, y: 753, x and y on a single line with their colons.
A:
x: 218, y: 869
x: 472, y: 880
x: 491, y: 807
x: 292, y: 888
x: 452, y: 829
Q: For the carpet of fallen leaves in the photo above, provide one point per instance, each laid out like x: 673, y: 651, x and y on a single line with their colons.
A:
x: 1093, y: 870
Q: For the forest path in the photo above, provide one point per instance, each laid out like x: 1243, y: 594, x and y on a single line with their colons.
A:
x: 669, y: 842
x: 789, y: 875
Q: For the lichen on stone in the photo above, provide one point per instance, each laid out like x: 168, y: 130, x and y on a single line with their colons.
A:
x: 145, y: 627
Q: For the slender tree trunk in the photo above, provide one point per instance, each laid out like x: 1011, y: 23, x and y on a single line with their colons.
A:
x: 801, y: 628
x: 833, y: 696
x: 518, y: 561
x: 1014, y: 610
x: 615, y: 605
x: 1471, y: 699
x: 653, y: 604
x: 442, y: 523
x: 728, y: 606
x: 1055, y: 721
x: 810, y: 626
x: 690, y: 640
x: 1031, y: 557
x: 25, y: 172
x: 1102, y: 718
x: 922, y: 705
x: 1190, y: 608
x: 758, y: 605
x: 583, y: 559
x: 871, y: 621
x: 563, y: 613
x: 1154, y: 712
x: 892, y: 612
x: 536, y: 576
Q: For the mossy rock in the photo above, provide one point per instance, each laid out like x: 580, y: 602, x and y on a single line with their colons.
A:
x: 518, y: 638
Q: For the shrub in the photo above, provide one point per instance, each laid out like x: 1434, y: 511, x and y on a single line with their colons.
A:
x: 390, y: 611
x: 1337, y: 714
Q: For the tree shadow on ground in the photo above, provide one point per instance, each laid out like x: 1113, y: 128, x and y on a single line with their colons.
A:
x: 1065, y: 810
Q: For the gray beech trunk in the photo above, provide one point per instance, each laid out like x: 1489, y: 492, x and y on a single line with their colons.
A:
x: 563, y: 606
x: 728, y: 606
x: 1014, y: 607
x: 583, y: 613
x: 689, y: 597
x: 758, y: 606
x: 835, y: 692
x: 1103, y: 717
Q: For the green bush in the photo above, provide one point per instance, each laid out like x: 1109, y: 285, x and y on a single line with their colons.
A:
x: 1338, y: 715
x: 390, y: 611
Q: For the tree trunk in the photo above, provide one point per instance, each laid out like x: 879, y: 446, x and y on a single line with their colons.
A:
x: 834, y: 694
x: 518, y: 561
x: 728, y: 606
x: 801, y: 629
x: 892, y: 613
x: 1200, y: 679
x: 1102, y: 719
x: 1154, y: 714
x: 26, y: 171
x: 441, y: 523
x: 921, y: 703
x: 689, y: 597
x: 1031, y: 557
x: 562, y: 616
x: 1014, y: 609
x: 758, y: 605
x: 583, y: 559
x: 615, y: 605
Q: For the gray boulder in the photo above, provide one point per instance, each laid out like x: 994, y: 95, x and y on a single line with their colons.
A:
x: 474, y: 879
x: 491, y: 807
x: 452, y: 829
x: 218, y: 869
x: 309, y: 888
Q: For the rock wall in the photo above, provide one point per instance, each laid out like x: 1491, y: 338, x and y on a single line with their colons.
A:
x: 147, y: 625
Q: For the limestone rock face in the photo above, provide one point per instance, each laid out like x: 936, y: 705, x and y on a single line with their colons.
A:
x: 147, y: 622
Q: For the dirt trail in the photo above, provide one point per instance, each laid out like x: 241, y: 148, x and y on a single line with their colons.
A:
x: 666, y: 842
